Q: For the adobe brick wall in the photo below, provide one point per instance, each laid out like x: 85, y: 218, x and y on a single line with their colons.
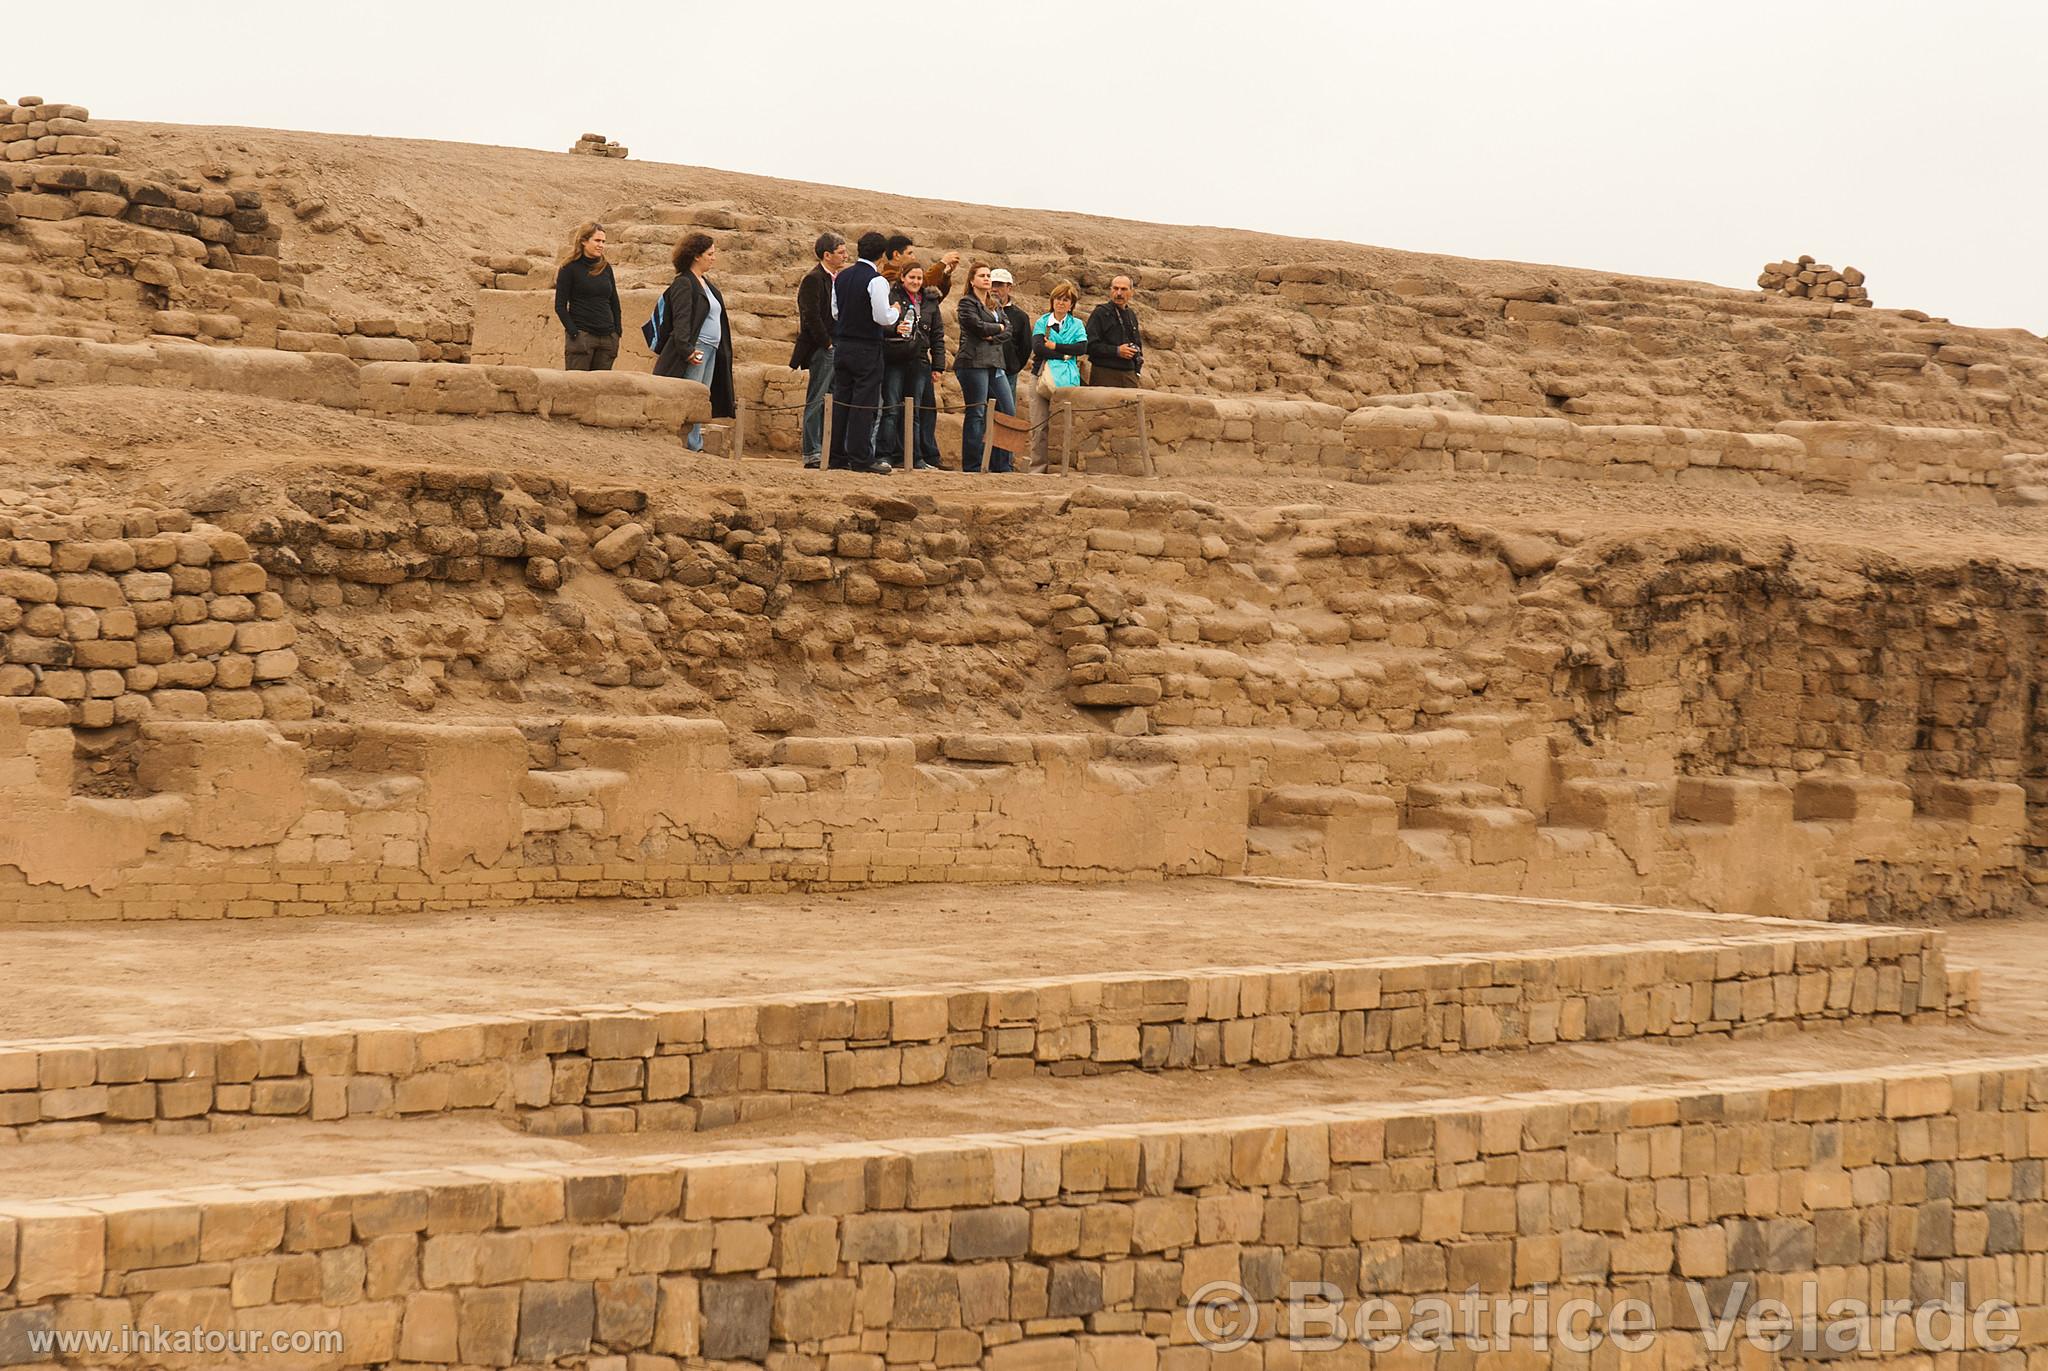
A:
x: 144, y: 613
x: 255, y: 819
x: 1078, y: 1250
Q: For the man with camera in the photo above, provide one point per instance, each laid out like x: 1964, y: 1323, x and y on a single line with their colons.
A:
x: 1116, y: 351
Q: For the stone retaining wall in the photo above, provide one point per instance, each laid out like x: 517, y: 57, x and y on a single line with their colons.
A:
x: 119, y: 617
x: 1849, y: 458
x: 386, y: 390
x: 1080, y: 1250
x: 708, y: 1063
x: 254, y: 820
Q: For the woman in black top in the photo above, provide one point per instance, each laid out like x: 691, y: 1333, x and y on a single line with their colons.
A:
x: 916, y: 362
x: 587, y: 303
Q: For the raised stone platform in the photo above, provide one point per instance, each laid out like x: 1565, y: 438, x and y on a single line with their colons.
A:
x: 1539, y: 973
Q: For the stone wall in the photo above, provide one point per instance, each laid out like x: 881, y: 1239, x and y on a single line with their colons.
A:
x: 389, y: 390
x: 253, y: 820
x: 1914, y: 676
x: 1849, y: 458
x: 1080, y: 1250
x: 145, y: 614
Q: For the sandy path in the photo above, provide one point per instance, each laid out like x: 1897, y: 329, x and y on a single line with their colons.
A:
x: 115, y: 441
x: 109, y: 978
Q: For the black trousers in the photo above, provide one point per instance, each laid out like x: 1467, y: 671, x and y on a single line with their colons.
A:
x: 589, y: 351
x: 857, y: 369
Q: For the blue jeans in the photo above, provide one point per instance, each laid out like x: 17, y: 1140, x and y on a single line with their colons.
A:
x: 816, y: 393
x: 700, y: 371
x: 979, y: 385
x: 911, y: 381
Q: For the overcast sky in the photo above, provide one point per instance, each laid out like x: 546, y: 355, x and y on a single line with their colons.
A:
x: 1694, y: 140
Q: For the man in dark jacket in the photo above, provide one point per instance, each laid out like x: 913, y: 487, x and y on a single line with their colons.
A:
x: 861, y: 318
x: 813, y: 350
x: 1116, y: 352
x: 1017, y: 342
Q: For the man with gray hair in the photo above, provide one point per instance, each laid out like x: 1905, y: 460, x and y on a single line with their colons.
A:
x: 813, y: 350
x: 1116, y: 353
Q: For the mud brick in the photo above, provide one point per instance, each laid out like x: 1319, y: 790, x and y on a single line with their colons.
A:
x: 156, y: 216
x: 488, y: 1326
x: 556, y: 1319
x: 61, y: 1251
x: 813, y: 1310
x: 143, y: 1232
x: 737, y: 1319
x: 626, y: 1308
x: 429, y: 1327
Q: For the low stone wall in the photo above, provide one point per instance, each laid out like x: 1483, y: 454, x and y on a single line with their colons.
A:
x: 253, y: 820
x: 1853, y: 458
x: 120, y: 617
x: 386, y: 390
x: 1193, y: 433
x: 1080, y: 1250
x: 708, y: 1063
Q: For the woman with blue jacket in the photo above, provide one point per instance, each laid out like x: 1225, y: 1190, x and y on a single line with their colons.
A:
x: 1059, y: 341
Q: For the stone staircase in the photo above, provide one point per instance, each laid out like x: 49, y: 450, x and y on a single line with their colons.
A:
x: 1016, y: 1167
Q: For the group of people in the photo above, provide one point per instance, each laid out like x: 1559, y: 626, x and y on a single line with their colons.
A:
x: 871, y: 333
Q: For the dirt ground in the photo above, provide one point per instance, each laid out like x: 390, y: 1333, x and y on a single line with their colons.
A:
x: 112, y: 441
x: 74, y: 980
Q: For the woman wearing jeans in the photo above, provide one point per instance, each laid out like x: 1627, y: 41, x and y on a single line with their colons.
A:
x: 979, y: 365
x: 698, y: 346
x: 916, y: 361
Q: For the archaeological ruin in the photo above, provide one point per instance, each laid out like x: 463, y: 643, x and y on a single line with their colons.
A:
x: 1478, y: 777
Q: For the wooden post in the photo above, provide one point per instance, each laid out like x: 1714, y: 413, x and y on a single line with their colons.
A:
x: 909, y: 431
x: 1067, y: 442
x: 739, y: 430
x: 1144, y: 442
x: 824, y: 433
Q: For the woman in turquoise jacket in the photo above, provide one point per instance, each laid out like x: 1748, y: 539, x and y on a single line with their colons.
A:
x: 1058, y: 343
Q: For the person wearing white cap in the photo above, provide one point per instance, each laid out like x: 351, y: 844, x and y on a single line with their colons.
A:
x: 1017, y: 342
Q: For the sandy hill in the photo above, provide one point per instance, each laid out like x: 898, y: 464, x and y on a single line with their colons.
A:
x: 411, y: 227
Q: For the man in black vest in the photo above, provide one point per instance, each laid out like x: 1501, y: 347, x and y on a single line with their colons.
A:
x: 861, y: 318
x: 1115, y: 351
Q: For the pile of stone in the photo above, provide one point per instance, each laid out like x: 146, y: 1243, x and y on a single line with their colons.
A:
x: 231, y: 227
x: 1806, y: 279
x: 29, y: 129
x: 597, y: 145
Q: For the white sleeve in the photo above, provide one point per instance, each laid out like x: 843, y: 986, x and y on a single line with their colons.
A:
x: 878, y: 302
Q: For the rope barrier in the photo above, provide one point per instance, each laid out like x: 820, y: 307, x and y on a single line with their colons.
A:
x: 1031, y: 430
x: 830, y: 403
